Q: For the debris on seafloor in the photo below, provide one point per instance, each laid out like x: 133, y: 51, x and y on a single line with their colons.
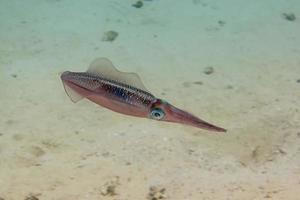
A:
x: 156, y: 193
x: 188, y: 84
x: 110, y: 36
x: 198, y: 82
x: 14, y: 75
x: 109, y: 188
x: 298, y: 81
x: 138, y: 4
x: 36, y: 151
x: 31, y: 197
x: 208, y: 70
x: 229, y: 87
x: 289, y: 16
x: 221, y: 22
x: 255, y: 152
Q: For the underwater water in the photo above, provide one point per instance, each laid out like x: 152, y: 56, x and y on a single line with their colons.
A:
x: 233, y: 63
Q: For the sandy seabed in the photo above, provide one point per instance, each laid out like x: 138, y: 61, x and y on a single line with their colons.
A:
x: 53, y: 149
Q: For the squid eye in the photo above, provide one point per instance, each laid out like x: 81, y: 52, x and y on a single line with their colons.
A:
x: 157, y: 113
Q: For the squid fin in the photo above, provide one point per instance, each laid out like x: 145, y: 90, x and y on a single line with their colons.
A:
x: 74, y: 96
x: 103, y: 67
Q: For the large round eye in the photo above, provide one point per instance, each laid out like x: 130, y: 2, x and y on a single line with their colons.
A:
x: 157, y: 113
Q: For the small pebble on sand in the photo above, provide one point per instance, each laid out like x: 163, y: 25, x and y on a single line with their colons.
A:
x: 229, y: 87
x: 31, y: 197
x: 109, y: 188
x: 156, y: 193
x: 221, y: 22
x: 110, y: 36
x: 198, y: 83
x: 289, y: 16
x: 138, y: 4
x: 208, y: 70
x: 14, y: 75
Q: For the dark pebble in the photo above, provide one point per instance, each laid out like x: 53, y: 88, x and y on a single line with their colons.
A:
x: 208, y: 70
x: 14, y: 75
x: 31, y: 197
x: 110, y: 36
x: 229, y: 87
x: 198, y: 82
x: 221, y: 22
x: 138, y: 4
x: 289, y: 16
